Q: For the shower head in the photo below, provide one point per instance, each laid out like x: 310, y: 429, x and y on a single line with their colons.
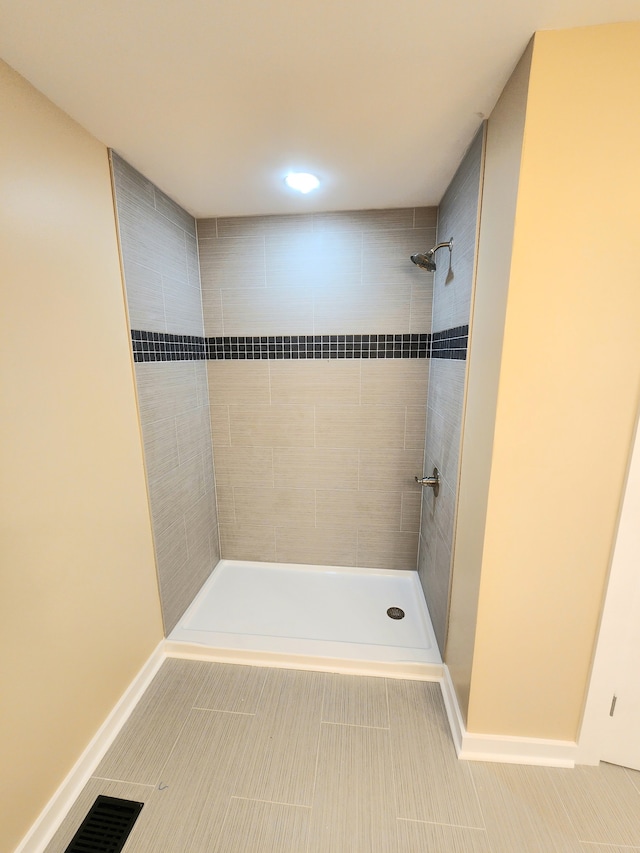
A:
x: 425, y: 260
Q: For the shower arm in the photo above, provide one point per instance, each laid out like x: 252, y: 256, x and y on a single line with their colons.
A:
x: 448, y: 244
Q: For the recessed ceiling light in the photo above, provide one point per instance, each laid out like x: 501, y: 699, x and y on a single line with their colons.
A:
x: 303, y: 182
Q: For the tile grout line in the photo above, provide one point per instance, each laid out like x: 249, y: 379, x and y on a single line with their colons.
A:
x: 221, y: 311
x: 630, y: 777
x: 223, y: 711
x: 355, y: 725
x: 394, y: 782
x: 123, y: 782
x: 475, y: 791
x: 438, y: 823
x: 315, y: 772
x: 560, y: 799
x: 171, y: 751
x: 264, y: 683
x: 272, y: 802
x: 223, y: 824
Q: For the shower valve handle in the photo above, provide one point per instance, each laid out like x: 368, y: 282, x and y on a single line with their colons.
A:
x: 433, y: 482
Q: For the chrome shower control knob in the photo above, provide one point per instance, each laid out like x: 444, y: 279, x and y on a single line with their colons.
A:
x: 433, y: 482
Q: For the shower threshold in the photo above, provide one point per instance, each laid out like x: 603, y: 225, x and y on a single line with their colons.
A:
x: 311, y: 617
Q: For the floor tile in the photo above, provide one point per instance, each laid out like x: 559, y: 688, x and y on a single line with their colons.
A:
x: 253, y: 768
x: 634, y: 777
x: 431, y: 783
x: 602, y: 803
x: 353, y: 807
x: 226, y: 687
x: 261, y: 827
x: 187, y: 810
x: 414, y: 836
x: 356, y: 700
x: 279, y: 764
x: 522, y: 810
x: 78, y: 812
x: 144, y: 744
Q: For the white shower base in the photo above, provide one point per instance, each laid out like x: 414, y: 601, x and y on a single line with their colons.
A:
x: 311, y: 617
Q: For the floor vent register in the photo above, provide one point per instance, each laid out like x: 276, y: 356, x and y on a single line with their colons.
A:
x: 106, y: 827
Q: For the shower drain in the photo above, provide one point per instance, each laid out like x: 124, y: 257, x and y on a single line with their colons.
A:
x: 395, y: 613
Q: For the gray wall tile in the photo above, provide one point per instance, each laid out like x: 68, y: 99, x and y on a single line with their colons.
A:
x: 345, y: 272
x: 380, y: 549
x: 248, y: 542
x: 317, y: 467
x: 304, y: 274
x: 452, y: 291
x: 328, y: 465
x: 362, y: 509
x: 162, y: 280
x: 307, y: 428
x: 317, y: 546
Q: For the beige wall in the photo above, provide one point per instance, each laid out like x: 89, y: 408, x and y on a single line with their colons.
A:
x: 568, y: 385
x: 79, y: 610
x: 316, y: 458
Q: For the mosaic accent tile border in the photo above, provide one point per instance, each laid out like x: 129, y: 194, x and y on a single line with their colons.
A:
x: 320, y: 346
x: 450, y: 343
x: 160, y: 346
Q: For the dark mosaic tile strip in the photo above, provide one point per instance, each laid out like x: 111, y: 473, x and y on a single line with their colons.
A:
x: 159, y: 346
x: 450, y: 343
x: 319, y: 346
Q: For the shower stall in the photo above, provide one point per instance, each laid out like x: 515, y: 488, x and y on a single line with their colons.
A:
x: 297, y: 377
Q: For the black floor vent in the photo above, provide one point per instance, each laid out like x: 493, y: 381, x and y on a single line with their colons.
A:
x: 106, y: 827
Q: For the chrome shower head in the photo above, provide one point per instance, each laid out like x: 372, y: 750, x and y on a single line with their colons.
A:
x: 425, y: 260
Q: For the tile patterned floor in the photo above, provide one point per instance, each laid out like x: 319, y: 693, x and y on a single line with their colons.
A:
x: 230, y: 759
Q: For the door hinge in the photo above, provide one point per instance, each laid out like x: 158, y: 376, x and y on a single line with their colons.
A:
x: 613, y: 705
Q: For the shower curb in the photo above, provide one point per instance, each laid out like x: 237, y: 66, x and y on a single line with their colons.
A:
x: 406, y: 670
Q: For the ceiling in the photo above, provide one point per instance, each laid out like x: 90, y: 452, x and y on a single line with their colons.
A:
x: 216, y: 100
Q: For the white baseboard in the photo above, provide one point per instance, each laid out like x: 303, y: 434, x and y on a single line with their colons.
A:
x: 56, y: 809
x: 505, y: 749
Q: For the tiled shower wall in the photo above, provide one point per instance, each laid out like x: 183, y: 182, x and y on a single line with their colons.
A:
x: 160, y: 260
x: 318, y: 389
x: 452, y: 294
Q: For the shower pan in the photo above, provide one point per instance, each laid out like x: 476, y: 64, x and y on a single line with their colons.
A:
x: 311, y: 617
